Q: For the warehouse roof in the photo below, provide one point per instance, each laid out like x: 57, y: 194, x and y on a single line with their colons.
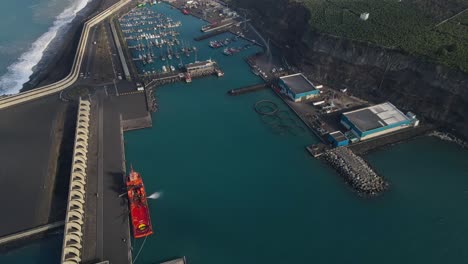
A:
x: 298, y: 83
x: 376, y: 116
x: 338, y: 136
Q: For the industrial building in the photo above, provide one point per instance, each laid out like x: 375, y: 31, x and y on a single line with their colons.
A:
x: 298, y: 87
x: 377, y: 120
x: 200, y: 68
x: 338, y: 139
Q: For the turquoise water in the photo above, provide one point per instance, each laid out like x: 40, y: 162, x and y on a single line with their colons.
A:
x: 235, y: 190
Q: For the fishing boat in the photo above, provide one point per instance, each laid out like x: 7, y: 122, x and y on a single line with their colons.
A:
x: 139, y: 211
x: 188, y: 78
x: 219, y: 73
x: 185, y: 11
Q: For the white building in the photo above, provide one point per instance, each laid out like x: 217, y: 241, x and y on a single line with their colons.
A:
x: 364, y: 16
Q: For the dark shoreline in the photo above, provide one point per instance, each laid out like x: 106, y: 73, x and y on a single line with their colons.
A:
x: 59, y: 55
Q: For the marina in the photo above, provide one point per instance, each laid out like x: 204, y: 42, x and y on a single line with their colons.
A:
x: 155, y: 43
x: 159, y: 52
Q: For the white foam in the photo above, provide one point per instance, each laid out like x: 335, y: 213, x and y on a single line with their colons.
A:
x: 19, y: 72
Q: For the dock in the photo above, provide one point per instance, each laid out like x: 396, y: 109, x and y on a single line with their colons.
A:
x: 317, y: 150
x: 248, y: 89
x: 120, y: 51
x: 176, y: 261
x: 210, y: 35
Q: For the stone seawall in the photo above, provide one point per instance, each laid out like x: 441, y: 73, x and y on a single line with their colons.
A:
x: 355, y: 171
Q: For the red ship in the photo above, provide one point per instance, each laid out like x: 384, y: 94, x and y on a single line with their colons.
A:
x: 185, y: 12
x: 139, y: 211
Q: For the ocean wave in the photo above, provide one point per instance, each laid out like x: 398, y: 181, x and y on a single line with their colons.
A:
x: 19, y: 72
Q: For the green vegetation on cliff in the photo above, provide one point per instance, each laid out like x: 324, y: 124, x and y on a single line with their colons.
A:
x: 410, y: 25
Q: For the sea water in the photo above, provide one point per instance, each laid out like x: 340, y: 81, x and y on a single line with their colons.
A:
x: 237, y: 190
x: 27, y: 28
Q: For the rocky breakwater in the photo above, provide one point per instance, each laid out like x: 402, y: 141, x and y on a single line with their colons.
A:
x: 356, y: 171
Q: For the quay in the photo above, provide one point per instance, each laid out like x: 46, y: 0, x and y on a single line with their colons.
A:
x: 115, y: 35
x: 192, y: 70
x: 106, y: 227
x: 211, y: 34
x: 176, y: 261
x: 248, y: 89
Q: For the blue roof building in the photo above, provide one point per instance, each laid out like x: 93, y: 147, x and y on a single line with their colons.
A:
x: 298, y: 87
x: 338, y: 139
x: 376, y: 120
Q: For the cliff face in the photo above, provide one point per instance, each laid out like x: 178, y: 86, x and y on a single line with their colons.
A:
x: 434, y: 92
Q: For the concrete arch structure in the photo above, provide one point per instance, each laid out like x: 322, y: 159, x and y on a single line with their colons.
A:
x: 82, y: 146
x: 79, y: 159
x: 78, y: 186
x: 74, y: 204
x: 73, y: 225
x: 70, y: 262
x: 78, y: 176
x: 72, y: 241
x: 76, y: 195
x: 80, y: 167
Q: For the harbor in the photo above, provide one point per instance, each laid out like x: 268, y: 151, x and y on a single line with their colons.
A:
x: 187, y: 137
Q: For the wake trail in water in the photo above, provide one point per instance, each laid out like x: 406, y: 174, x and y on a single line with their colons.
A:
x: 19, y: 72
x: 155, y: 195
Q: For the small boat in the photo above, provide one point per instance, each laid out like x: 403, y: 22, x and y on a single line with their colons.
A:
x: 188, y: 78
x: 219, y: 73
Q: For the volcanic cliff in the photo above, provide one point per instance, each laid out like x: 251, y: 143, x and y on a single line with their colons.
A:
x: 435, y: 92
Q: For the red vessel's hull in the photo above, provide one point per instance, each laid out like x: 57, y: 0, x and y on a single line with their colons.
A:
x: 139, y: 211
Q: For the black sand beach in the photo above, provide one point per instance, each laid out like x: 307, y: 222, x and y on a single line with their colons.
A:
x: 59, y: 56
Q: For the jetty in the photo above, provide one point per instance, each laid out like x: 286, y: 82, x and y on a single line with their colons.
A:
x: 248, y: 89
x: 210, y: 35
x: 176, y: 261
x: 355, y: 170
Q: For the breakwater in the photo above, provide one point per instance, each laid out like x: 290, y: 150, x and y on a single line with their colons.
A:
x: 449, y: 137
x: 248, y: 89
x: 355, y: 171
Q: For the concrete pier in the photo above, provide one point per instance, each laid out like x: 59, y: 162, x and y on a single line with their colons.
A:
x: 248, y: 89
x: 175, y: 261
x: 210, y: 35
x: 120, y: 51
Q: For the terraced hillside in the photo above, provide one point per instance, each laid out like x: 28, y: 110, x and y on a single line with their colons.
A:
x: 418, y: 27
